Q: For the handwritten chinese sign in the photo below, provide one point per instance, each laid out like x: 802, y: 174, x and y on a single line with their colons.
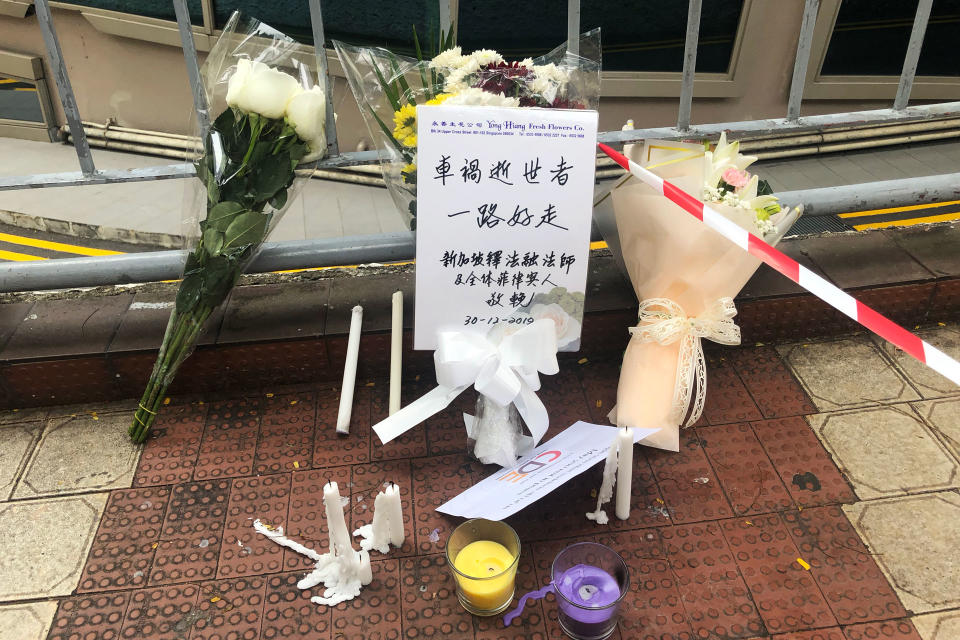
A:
x: 504, y: 202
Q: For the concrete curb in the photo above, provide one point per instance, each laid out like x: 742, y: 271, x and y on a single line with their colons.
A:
x: 91, y: 231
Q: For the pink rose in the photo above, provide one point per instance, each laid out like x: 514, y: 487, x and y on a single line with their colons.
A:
x: 736, y: 177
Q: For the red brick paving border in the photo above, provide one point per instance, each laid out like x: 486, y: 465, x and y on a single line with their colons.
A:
x: 712, y: 543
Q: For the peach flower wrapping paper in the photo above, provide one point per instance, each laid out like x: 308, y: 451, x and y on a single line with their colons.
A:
x: 670, y: 254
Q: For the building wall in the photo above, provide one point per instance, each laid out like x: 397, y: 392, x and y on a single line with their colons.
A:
x: 143, y: 85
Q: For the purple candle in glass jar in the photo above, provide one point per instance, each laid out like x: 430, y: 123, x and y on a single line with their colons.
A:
x: 590, y: 581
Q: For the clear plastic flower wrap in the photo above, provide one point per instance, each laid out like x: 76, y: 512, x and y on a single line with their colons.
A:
x: 389, y: 87
x: 267, y: 129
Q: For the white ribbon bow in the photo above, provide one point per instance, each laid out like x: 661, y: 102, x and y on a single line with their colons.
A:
x: 663, y: 321
x: 505, y: 372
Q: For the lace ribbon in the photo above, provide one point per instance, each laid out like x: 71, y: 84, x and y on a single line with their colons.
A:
x: 663, y: 321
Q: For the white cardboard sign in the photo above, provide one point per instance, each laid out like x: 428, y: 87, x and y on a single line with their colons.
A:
x: 570, y: 453
x: 504, y: 203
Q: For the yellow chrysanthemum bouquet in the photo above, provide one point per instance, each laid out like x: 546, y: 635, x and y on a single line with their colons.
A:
x: 389, y: 88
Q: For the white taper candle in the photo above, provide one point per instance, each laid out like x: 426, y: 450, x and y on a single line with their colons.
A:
x: 395, y: 511
x: 624, y: 472
x: 396, y: 355
x: 350, y: 372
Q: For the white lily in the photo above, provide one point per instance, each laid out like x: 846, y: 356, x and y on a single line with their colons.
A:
x: 723, y: 156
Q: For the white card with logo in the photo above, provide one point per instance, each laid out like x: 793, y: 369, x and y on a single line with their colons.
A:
x: 504, y: 204
x: 573, y: 451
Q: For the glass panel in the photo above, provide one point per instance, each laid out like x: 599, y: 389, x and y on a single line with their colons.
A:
x: 646, y: 36
x: 870, y: 38
x: 151, y: 8
x: 366, y: 22
x: 19, y: 100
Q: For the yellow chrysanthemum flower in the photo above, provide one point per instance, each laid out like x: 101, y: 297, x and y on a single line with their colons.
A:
x: 408, y: 171
x: 405, y: 122
x: 410, y: 141
x: 440, y: 99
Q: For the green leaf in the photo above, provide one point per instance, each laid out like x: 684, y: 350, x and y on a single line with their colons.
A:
x: 221, y: 215
x: 213, y: 189
x: 268, y: 178
x: 218, y: 277
x: 389, y: 134
x: 246, y: 229
x: 279, y: 200
x: 388, y: 89
x: 212, y: 241
x: 401, y: 81
x: 764, y: 188
x: 189, y: 293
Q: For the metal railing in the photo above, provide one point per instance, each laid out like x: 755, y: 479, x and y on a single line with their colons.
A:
x: 144, y: 267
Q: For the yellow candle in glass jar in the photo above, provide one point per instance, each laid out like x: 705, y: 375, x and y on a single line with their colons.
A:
x: 488, y: 571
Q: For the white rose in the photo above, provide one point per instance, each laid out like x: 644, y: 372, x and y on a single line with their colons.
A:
x: 257, y: 88
x: 307, y: 113
x: 568, y: 329
x: 480, y: 98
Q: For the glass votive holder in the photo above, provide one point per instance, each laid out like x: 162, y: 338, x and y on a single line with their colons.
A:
x: 590, y: 581
x: 483, y: 556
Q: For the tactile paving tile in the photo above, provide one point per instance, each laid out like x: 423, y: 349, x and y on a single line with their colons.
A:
x: 412, y: 444
x: 727, y: 398
x: 774, y: 389
x: 331, y: 449
x: 229, y: 439
x: 805, y: 467
x: 230, y: 609
x: 436, y: 480
x: 192, y: 532
x: 123, y: 548
x: 842, y: 566
x: 286, y: 433
x: 888, y: 630
x: 288, y: 612
x: 164, y: 613
x: 306, y: 517
x: 785, y: 594
x: 713, y: 593
x: 376, y: 614
x: 245, y: 552
x: 564, y: 399
x: 368, y: 481
x: 170, y: 451
x: 430, y: 605
x: 97, y: 616
x: 599, y: 380
x: 832, y: 633
x: 690, y: 489
x: 746, y: 474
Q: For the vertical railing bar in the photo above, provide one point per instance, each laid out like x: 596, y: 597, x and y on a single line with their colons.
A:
x: 689, y: 64
x: 193, y: 66
x: 804, y: 45
x: 443, y: 7
x: 573, y: 27
x: 913, y: 54
x: 64, y: 88
x: 323, y: 71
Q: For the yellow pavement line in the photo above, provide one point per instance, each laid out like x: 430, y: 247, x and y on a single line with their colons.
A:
x: 25, y: 89
x: 944, y: 217
x: 7, y: 81
x: 599, y: 244
x: 56, y: 246
x: 18, y: 257
x: 913, y: 207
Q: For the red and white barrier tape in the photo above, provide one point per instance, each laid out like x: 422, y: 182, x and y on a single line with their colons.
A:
x: 832, y: 295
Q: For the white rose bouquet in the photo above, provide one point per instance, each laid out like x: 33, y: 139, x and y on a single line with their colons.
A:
x: 389, y: 87
x: 270, y: 123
